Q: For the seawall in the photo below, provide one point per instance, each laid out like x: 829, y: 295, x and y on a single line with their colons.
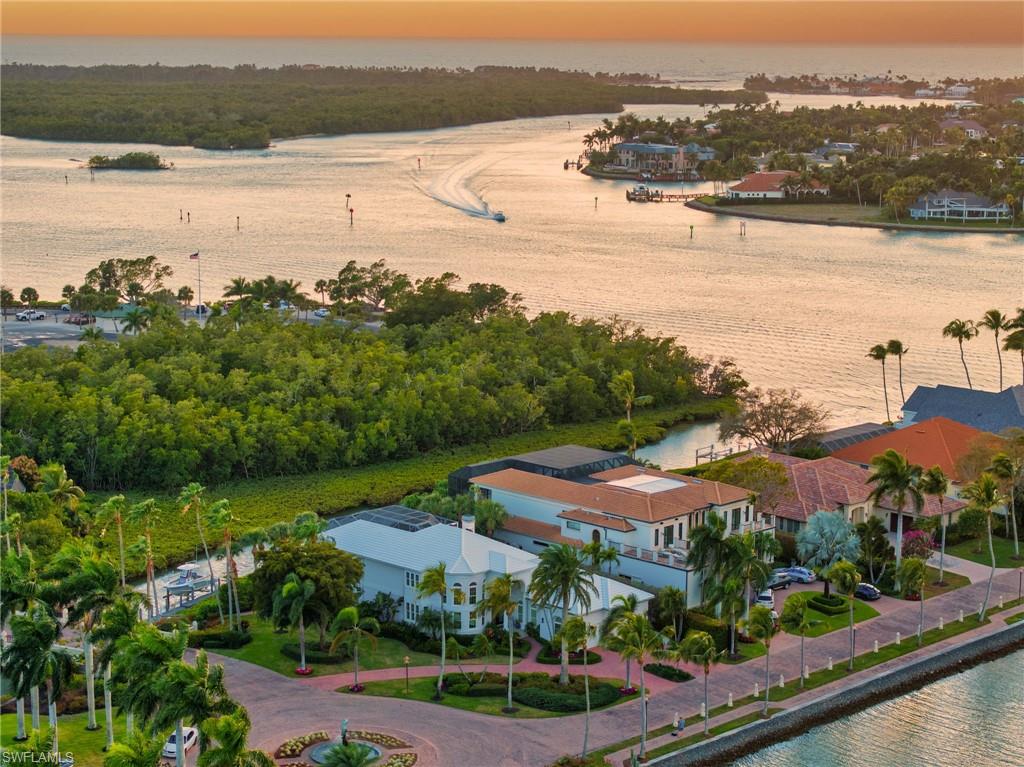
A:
x: 796, y: 721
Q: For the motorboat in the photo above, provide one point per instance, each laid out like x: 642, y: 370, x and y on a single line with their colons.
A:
x: 189, y: 579
x: 499, y: 217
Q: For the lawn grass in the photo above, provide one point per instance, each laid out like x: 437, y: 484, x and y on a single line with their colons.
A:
x: 732, y: 724
x: 977, y: 551
x: 746, y: 651
x: 85, y: 745
x: 951, y: 582
x: 265, y: 650
x: 423, y: 689
x: 1015, y: 618
x: 825, y: 624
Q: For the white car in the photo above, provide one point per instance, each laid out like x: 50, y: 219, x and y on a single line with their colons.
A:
x: 321, y: 313
x: 190, y: 736
x: 30, y: 314
x: 766, y: 599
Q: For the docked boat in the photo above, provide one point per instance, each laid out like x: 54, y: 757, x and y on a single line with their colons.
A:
x: 189, y: 579
x: 643, y: 193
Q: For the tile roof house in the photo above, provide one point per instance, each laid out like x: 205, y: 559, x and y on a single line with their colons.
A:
x: 985, y: 410
x: 771, y: 185
x: 958, y: 205
x: 936, y: 441
x: 971, y: 128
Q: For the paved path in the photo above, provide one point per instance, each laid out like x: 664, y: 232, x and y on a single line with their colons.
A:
x: 283, y: 707
x: 974, y: 571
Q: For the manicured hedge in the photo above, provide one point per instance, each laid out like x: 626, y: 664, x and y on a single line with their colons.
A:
x: 313, y: 654
x: 219, y: 638
x: 601, y: 694
x: 483, y: 690
x: 830, y: 605
x: 551, y: 655
x: 718, y: 630
x: 420, y: 641
x: 670, y: 673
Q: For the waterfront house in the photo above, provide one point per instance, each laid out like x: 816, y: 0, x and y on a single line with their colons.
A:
x: 984, y: 410
x: 953, y: 204
x: 845, y: 436
x: 774, y: 185
x: 657, y: 159
x: 959, y: 91
x: 397, y: 545
x: 971, y: 128
x: 699, y: 153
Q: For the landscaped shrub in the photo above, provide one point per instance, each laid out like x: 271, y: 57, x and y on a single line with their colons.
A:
x: 378, y: 738
x: 830, y: 605
x: 482, y: 690
x: 718, y: 630
x: 217, y: 637
x: 601, y: 694
x: 313, y: 654
x: 533, y: 631
x: 295, y: 746
x: 670, y: 673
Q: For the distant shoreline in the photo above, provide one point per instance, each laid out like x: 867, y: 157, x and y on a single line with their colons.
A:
x: 695, y: 205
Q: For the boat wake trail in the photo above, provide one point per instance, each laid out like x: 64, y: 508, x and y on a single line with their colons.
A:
x: 452, y: 188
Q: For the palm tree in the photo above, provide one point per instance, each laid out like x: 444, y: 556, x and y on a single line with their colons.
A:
x: 1014, y: 342
x: 19, y: 585
x: 33, y: 658
x: 609, y: 555
x: 896, y: 348
x: 1009, y: 470
x: 846, y: 578
x: 638, y: 640
x: 621, y: 606
x: 142, y: 656
x: 191, y: 500
x: 62, y: 490
x: 351, y: 755
x: 911, y: 579
x: 230, y: 732
x: 996, y: 321
x: 879, y: 352
x: 145, y: 513
x: 498, y: 600
x: 290, y: 602
x: 592, y: 551
x: 934, y: 482
x: 219, y: 517
x: 983, y: 495
x: 5, y: 479
x: 560, y: 576
x: 578, y: 635
x: 321, y: 287
x: 895, y: 478
x: 708, y: 549
x: 728, y: 595
x: 135, y: 320
x: 960, y: 331
x: 116, y: 621
x: 352, y: 632
x: 761, y: 625
x: 672, y: 607
x: 138, y: 750
x: 191, y: 693
x: 700, y: 648
x: 749, y: 564
x: 239, y: 287
x: 794, y: 620
x: 434, y: 583
x: 623, y: 388
x: 113, y: 510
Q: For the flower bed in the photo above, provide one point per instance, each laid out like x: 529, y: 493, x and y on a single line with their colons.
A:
x: 293, y: 748
x: 407, y: 759
x: 378, y: 739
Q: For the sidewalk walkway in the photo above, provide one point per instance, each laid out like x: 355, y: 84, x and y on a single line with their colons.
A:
x: 974, y: 571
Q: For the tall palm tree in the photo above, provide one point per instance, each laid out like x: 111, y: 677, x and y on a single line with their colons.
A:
x: 135, y: 320
x: 118, y: 620
x: 434, y: 583
x: 191, y: 693
x: 230, y: 733
x: 592, y: 551
x: 608, y: 556
x: 749, y: 564
x: 728, y: 595
x: 983, y: 495
x: 352, y: 632
x: 146, y: 514
x: 794, y: 620
x: 623, y: 388
x: 997, y: 322
x: 62, y: 490
x: 19, y: 593
x: 879, y: 352
x: 700, y: 648
x: 846, y: 578
x: 192, y: 499
x: 672, y: 607
x: 896, y: 348
x: 578, y: 635
x: 912, y: 578
x: 708, y: 550
x: 220, y: 518
x: 139, y: 749
x: 560, y: 577
x: 142, y: 659
x: 934, y: 482
x: 33, y: 658
x: 6, y: 473
x: 897, y: 479
x: 621, y: 606
x: 761, y: 625
x: 960, y: 331
x: 321, y: 287
x: 1009, y: 470
x: 290, y: 601
x: 499, y: 599
x: 1014, y: 342
x: 639, y: 640
x: 239, y: 287
x: 113, y: 510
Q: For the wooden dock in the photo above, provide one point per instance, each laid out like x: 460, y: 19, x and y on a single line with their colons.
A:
x: 656, y: 195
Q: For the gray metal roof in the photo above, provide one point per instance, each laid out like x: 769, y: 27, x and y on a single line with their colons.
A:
x: 395, y: 516
x: 985, y: 410
x: 851, y: 435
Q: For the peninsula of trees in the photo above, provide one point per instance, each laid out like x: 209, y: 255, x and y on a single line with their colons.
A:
x: 129, y: 161
x: 245, y: 107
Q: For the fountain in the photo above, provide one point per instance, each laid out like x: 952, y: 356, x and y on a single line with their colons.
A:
x: 318, y: 754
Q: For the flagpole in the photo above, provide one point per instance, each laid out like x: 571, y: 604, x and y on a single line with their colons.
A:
x: 199, y: 279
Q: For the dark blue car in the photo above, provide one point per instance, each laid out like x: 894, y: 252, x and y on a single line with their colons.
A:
x: 867, y: 592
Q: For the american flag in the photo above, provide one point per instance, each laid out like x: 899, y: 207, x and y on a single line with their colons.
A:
x: 194, y: 256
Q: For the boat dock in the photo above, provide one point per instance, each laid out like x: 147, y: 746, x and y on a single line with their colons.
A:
x: 645, y: 194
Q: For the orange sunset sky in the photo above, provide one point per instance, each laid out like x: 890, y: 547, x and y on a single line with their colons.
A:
x: 767, y: 21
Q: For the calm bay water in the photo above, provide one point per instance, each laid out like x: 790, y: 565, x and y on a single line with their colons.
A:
x: 974, y: 718
x: 793, y: 305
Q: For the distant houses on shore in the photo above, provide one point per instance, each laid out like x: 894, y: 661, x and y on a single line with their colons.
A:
x: 776, y: 185
x: 957, y: 205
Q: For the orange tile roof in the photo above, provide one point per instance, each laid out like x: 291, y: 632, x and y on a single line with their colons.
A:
x: 598, y: 520
x: 691, y: 495
x: 938, y: 441
x: 536, y: 529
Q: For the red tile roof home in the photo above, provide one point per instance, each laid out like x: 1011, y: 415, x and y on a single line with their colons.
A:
x: 598, y: 520
x: 938, y: 441
x: 667, y: 496
x: 768, y: 181
x: 537, y: 529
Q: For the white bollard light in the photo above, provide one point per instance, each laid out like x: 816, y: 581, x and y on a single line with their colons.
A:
x: 829, y: 662
x: 1000, y: 602
x: 807, y: 672
x: 898, y: 638
x: 942, y: 623
x: 876, y: 645
x: 729, y: 703
x: 782, y: 683
x: 703, y: 711
x: 757, y: 690
x: 961, y: 618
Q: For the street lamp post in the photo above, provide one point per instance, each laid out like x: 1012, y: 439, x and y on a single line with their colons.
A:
x: 405, y: 660
x: 348, y: 201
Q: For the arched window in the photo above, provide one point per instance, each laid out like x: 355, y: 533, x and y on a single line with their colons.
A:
x: 596, y: 536
x: 457, y: 594
x: 472, y: 593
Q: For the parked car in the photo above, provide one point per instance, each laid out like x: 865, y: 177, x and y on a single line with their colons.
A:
x: 321, y: 313
x: 780, y: 580
x: 801, y: 574
x: 766, y: 599
x: 65, y: 307
x: 80, y: 319
x: 867, y: 592
x: 29, y: 315
x: 190, y: 738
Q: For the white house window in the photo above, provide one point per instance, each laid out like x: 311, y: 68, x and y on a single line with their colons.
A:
x: 668, y: 535
x: 412, y: 612
x: 572, y: 524
x: 412, y: 580
x: 655, y: 537
x: 456, y: 595
x: 455, y: 621
x: 472, y: 593
x: 472, y: 620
